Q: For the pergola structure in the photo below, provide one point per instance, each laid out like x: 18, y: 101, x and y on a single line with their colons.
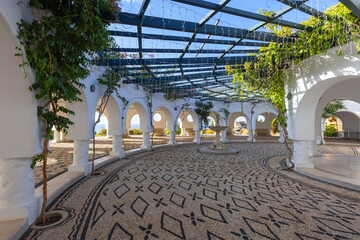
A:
x: 202, y: 78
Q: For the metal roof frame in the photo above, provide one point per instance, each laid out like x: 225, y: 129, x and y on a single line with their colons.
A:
x: 199, y: 77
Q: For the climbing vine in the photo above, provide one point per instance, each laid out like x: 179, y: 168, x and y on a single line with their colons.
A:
x: 56, y: 47
x: 266, y: 76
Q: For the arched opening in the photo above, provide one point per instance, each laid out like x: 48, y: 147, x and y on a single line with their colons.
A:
x: 137, y: 127
x: 102, y: 128
x: 264, y: 127
x: 333, y: 127
x: 188, y: 124
x: 240, y: 126
x: 308, y: 116
x: 163, y: 126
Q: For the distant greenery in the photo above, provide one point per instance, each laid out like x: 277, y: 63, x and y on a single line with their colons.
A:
x: 178, y: 130
x: 332, y: 108
x: 135, y: 131
x: 275, y: 125
x: 208, y: 131
x: 103, y: 132
x: 330, y: 131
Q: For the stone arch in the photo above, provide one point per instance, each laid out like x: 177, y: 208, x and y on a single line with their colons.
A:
x: 81, y: 129
x: 316, y: 98
x: 350, y: 123
x: 141, y: 107
x: 213, y: 115
x: 232, y: 118
x: 188, y: 126
x: 168, y: 121
x: 264, y: 128
x: 112, y: 113
x: 262, y: 109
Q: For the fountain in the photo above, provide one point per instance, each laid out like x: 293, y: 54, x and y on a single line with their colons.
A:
x: 218, y: 147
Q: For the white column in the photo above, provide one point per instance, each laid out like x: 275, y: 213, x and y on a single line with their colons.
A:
x: 81, y: 157
x: 223, y: 136
x: 172, y: 138
x: 281, y: 130
x: 63, y: 136
x: 117, y: 146
x: 146, y: 141
x: 322, y: 131
x: 183, y: 132
x: 57, y: 136
x: 281, y: 139
x: 312, y: 148
x: 301, y: 154
x: 197, y: 137
x: 251, y: 137
x: 17, y: 188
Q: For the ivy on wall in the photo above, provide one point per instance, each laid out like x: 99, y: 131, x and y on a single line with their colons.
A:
x: 266, y: 76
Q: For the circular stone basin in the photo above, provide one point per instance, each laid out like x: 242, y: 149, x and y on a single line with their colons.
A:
x: 224, y: 151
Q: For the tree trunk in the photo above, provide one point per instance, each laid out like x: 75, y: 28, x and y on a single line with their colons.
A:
x: 93, y: 157
x: 45, y: 151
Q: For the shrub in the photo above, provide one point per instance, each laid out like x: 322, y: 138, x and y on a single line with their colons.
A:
x: 103, y: 132
x: 330, y: 131
x: 208, y: 131
x: 178, y: 131
x: 135, y: 131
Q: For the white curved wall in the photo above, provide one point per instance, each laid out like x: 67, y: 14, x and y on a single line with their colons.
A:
x: 19, y: 125
x: 311, y: 79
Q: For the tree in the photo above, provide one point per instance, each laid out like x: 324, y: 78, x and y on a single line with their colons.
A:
x: 57, y: 47
x: 203, y: 111
x: 111, y: 79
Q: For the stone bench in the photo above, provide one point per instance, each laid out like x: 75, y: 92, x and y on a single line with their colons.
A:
x: 262, y: 132
x: 159, y: 132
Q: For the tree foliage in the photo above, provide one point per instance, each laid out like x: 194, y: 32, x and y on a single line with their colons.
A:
x: 203, y: 111
x: 266, y: 76
x: 331, y: 108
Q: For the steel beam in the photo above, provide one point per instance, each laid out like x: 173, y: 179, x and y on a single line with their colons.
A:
x: 201, y: 23
x: 185, y: 26
x: 164, y: 50
x: 227, y: 60
x: 184, y: 39
x: 353, y: 5
x: 242, y: 13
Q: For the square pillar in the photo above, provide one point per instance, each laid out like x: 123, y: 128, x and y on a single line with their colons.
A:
x: 117, y: 146
x: 301, y: 154
x: 197, y: 137
x: 172, y: 139
x: 81, y: 157
x: 17, y: 190
x: 146, y: 141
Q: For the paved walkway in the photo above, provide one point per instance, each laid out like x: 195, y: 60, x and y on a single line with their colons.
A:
x: 179, y: 193
x: 62, y: 153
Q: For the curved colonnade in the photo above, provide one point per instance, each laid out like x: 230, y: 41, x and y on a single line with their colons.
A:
x: 312, y: 84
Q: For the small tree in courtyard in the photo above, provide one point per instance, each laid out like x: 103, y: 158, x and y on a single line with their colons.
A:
x: 57, y: 46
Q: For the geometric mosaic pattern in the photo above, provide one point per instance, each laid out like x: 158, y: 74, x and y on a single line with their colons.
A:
x: 61, y: 155
x: 179, y: 193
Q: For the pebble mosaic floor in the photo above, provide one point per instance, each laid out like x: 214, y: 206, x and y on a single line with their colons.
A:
x: 62, y: 153
x: 179, y: 193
